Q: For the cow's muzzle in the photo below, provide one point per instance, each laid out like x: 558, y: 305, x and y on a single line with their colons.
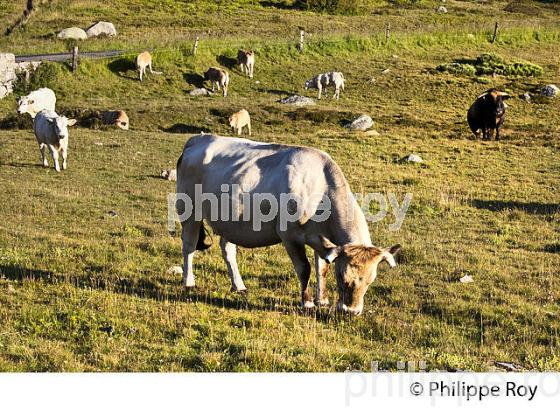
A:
x: 341, y: 307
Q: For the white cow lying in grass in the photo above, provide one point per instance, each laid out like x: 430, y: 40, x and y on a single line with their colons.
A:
x: 51, y: 130
x: 322, y: 81
x: 38, y: 100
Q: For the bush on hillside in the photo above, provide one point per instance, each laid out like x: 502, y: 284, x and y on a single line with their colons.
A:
x: 347, y: 7
x: 490, y: 64
x: 46, y: 75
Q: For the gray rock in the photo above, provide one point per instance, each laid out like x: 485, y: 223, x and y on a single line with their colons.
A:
x: 169, y: 174
x: 442, y: 9
x: 72, y: 33
x: 7, y: 73
x: 361, y: 123
x: 200, y: 91
x: 466, y: 279
x: 298, y: 100
x: 526, y: 97
x: 550, y: 90
x: 102, y: 28
x: 416, y: 159
x: 510, y: 367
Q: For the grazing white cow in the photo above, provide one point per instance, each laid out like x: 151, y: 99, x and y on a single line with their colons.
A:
x: 266, y: 173
x: 51, y: 131
x: 322, y: 81
x: 38, y: 100
x: 143, y: 61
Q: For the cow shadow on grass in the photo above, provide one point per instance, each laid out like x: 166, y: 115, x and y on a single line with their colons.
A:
x: 122, y: 67
x: 194, y: 79
x: 170, y: 290
x: 180, y: 128
x: 226, y: 61
x: 535, y: 208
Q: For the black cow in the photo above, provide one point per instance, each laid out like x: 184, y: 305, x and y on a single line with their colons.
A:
x: 488, y: 113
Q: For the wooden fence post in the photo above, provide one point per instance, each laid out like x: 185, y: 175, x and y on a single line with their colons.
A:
x: 301, y: 40
x: 387, y: 33
x: 75, y: 59
x: 495, y: 36
x: 195, y: 46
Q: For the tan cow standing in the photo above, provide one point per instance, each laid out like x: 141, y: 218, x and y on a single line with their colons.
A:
x: 239, y: 120
x: 218, y: 76
x: 143, y: 61
x: 246, y: 61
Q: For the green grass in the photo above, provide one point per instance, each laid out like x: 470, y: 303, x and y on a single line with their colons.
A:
x: 81, y: 290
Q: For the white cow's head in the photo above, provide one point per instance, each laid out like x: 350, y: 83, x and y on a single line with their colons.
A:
x: 61, y: 124
x: 356, y: 268
x: 24, y: 103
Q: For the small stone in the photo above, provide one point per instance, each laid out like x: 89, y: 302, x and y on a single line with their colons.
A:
x: 112, y: 213
x: 102, y: 28
x: 72, y: 33
x: 99, y: 143
x: 169, y: 174
x: 372, y: 133
x: 395, y: 56
x: 257, y: 82
x: 200, y: 91
x: 297, y: 100
x: 526, y: 97
x: 510, y: 367
x: 466, y: 279
x: 442, y: 9
x: 414, y: 158
x: 175, y: 270
x: 386, y: 71
x: 372, y: 80
x: 550, y: 90
x: 361, y: 123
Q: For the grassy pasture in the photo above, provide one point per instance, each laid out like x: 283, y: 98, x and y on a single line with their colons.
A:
x: 83, y: 290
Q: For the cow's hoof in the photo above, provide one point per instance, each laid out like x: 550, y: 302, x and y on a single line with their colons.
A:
x: 188, y: 284
x: 323, y: 302
x: 308, y: 304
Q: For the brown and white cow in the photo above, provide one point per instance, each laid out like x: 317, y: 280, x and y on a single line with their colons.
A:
x: 321, y: 212
x: 246, y: 61
x: 218, y: 77
x: 119, y: 119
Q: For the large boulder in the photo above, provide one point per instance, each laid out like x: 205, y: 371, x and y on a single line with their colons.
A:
x: 102, y: 28
x: 7, y: 73
x: 298, y: 100
x: 72, y: 33
x: 550, y: 90
x: 361, y: 123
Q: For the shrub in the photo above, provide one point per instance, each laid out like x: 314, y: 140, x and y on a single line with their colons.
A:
x: 489, y: 64
x: 46, y: 75
x: 348, y: 7
x: 457, y: 68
